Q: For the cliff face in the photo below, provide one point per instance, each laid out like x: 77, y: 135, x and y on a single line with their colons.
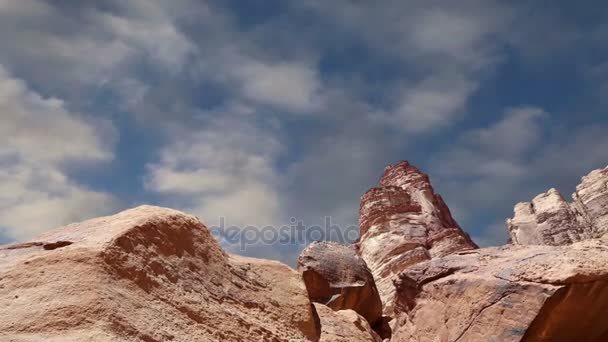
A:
x: 403, y: 222
x: 549, y: 220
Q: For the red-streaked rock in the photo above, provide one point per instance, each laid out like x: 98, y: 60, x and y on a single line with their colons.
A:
x: 403, y: 222
x: 336, y: 276
x: 344, y: 326
x: 516, y: 293
x: 549, y: 220
x: 146, y: 274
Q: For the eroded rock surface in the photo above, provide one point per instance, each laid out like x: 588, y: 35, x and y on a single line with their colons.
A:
x: 515, y: 293
x: 336, y: 276
x: 146, y: 274
x: 549, y: 220
x: 344, y: 326
x: 403, y: 222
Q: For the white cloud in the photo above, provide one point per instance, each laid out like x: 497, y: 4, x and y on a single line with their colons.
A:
x: 293, y: 86
x: 34, y: 199
x: 41, y: 129
x: 224, y: 170
x: 433, y: 103
x: 37, y: 137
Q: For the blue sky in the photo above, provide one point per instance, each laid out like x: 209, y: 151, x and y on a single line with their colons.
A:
x: 260, y: 111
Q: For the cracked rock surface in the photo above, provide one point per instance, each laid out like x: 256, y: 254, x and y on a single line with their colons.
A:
x: 513, y: 293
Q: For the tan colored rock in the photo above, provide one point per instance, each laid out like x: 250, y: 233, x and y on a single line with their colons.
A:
x: 344, y: 326
x: 549, y: 220
x: 336, y: 276
x: 516, y: 293
x: 403, y: 222
x: 146, y: 274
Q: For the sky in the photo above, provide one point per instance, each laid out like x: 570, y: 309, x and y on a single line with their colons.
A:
x: 266, y: 112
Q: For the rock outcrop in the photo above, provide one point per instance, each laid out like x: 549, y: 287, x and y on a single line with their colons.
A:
x: 336, y: 276
x: 344, y: 326
x: 549, y: 220
x: 403, y: 222
x: 513, y: 293
x: 146, y: 274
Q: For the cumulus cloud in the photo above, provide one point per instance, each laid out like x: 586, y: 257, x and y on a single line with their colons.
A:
x: 38, y: 136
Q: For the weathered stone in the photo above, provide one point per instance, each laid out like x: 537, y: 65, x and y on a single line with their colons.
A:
x: 336, y: 276
x: 516, y: 293
x: 549, y: 220
x: 146, y: 274
x: 403, y: 222
x: 344, y: 326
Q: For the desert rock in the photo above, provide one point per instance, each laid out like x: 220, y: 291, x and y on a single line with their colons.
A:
x: 515, y: 293
x: 336, y: 276
x: 403, y: 222
x: 344, y: 326
x: 549, y: 220
x: 146, y: 274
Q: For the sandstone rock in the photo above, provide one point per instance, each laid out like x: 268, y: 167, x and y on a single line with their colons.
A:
x: 516, y: 293
x: 403, y: 222
x: 344, y: 326
x: 146, y: 274
x: 336, y: 276
x: 550, y: 220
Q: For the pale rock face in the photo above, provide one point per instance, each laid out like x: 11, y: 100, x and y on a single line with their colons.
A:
x: 146, y: 274
x: 550, y: 220
x: 336, y: 276
x: 515, y: 293
x: 403, y: 222
x: 344, y: 326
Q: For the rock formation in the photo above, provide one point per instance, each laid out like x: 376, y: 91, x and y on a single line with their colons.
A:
x: 154, y: 274
x: 403, y: 222
x: 344, y: 326
x: 336, y: 276
x: 549, y: 220
x: 513, y: 293
x: 146, y: 274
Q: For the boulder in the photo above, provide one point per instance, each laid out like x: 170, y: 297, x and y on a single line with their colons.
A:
x: 344, y: 326
x: 549, y: 220
x: 146, y: 274
x: 403, y: 222
x: 336, y: 276
x: 512, y: 293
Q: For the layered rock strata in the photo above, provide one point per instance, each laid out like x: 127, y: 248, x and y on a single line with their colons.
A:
x: 403, y: 222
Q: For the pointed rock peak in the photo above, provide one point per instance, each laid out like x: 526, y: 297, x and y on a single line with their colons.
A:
x: 403, y: 222
x: 404, y: 175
